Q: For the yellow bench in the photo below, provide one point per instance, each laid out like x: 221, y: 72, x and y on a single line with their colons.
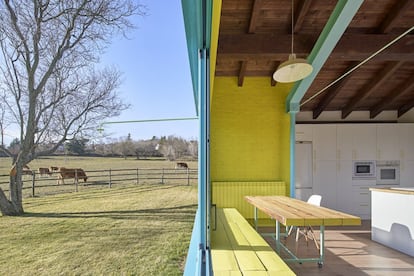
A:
x: 237, y: 249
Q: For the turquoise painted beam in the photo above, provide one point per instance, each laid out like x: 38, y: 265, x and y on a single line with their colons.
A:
x: 193, y: 23
x: 339, y: 20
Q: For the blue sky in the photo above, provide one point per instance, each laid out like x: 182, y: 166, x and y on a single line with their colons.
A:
x: 156, y: 75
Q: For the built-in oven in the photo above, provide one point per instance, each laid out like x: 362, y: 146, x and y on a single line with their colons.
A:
x: 388, y: 172
x: 363, y: 169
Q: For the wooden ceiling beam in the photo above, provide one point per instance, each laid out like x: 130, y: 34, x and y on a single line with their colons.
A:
x: 402, y: 110
x: 391, y: 97
x: 300, y: 14
x: 242, y: 73
x: 350, y: 47
x: 333, y: 92
x: 372, y: 85
x: 397, y: 12
x: 272, y: 80
x: 255, y: 16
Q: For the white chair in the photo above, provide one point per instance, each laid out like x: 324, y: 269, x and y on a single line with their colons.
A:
x: 307, y: 232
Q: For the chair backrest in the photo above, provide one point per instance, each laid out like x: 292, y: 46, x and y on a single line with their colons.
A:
x: 315, y: 200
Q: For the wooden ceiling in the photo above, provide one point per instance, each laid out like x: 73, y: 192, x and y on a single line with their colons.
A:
x: 255, y: 37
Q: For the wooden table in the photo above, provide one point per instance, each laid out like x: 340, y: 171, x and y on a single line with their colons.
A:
x: 293, y: 212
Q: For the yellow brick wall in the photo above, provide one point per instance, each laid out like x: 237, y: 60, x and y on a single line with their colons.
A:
x: 231, y: 194
x: 249, y: 131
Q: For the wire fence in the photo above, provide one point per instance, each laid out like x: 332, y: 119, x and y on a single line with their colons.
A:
x: 52, y: 183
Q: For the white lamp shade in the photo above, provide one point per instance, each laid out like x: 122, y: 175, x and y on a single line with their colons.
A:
x: 292, y: 70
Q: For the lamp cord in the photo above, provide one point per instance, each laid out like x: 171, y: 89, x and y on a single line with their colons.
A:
x: 359, y: 65
x: 292, y: 25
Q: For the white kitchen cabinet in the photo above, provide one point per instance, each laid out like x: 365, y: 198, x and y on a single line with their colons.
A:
x: 324, y: 182
x: 345, y: 142
x: 344, y: 185
x: 406, y: 141
x: 324, y: 142
x: 356, y: 142
x: 361, y: 201
x: 303, y: 132
x: 407, y: 173
x: 365, y: 141
x: 388, y: 142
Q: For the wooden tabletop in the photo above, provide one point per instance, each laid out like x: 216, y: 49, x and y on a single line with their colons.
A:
x: 290, y: 211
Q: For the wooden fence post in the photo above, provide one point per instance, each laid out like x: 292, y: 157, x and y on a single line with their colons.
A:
x: 188, y: 176
x: 33, y: 183
x: 137, y: 176
x: 76, y: 180
x: 162, y: 177
x: 110, y: 179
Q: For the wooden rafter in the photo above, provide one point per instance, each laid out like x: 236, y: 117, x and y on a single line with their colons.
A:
x: 255, y: 16
x: 300, y: 14
x: 242, y: 72
x: 407, y: 86
x: 373, y: 84
x: 253, y: 46
x: 395, y: 14
x: 402, y: 110
x: 333, y: 92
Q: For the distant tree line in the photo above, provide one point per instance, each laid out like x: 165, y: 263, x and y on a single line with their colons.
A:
x: 168, y: 147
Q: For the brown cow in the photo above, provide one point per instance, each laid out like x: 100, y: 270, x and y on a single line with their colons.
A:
x: 26, y: 170
x: 54, y: 169
x: 181, y: 165
x: 71, y: 173
x: 44, y: 171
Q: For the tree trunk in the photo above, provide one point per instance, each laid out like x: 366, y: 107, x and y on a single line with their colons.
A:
x: 14, y: 206
x: 6, y: 207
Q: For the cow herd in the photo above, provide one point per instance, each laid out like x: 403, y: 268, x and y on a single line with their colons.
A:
x: 66, y: 173
x: 62, y: 173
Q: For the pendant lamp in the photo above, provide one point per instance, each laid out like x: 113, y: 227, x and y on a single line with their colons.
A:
x: 294, y: 69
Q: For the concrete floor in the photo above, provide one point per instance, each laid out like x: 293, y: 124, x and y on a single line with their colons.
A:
x: 348, y: 251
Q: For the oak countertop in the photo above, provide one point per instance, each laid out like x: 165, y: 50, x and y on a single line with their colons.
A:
x: 407, y: 191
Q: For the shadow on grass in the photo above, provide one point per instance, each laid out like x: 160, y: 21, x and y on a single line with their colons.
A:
x: 100, y: 193
x: 168, y: 213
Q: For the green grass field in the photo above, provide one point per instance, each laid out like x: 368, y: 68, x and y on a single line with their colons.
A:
x: 129, y: 229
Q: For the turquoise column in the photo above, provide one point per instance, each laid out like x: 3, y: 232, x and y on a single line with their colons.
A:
x: 292, y: 153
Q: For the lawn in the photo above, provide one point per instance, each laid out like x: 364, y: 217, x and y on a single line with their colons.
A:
x: 125, y: 230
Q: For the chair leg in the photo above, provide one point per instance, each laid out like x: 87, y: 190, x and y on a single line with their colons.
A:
x: 313, y: 237
x: 290, y: 230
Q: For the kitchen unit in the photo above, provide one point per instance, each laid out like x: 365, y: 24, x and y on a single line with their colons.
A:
x: 303, y: 167
x: 349, y: 159
x: 392, y: 222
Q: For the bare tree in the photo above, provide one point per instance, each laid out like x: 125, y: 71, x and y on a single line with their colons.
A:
x: 52, y: 90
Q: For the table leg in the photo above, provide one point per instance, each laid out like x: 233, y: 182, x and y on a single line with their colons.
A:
x: 322, y: 245
x: 277, y: 236
x: 255, y: 218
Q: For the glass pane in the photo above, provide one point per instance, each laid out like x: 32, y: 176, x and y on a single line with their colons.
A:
x: 387, y: 173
